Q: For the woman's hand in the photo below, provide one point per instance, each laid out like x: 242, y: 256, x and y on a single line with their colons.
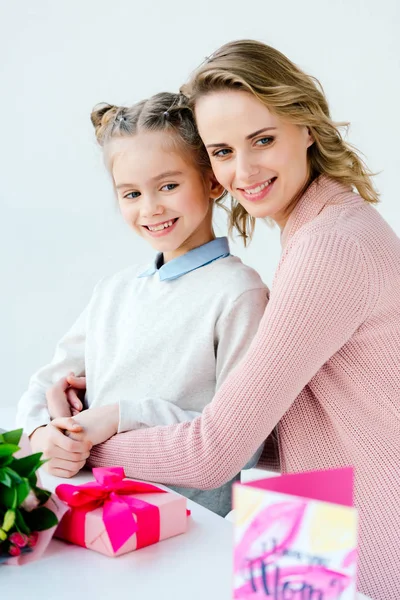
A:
x: 67, y: 456
x: 98, y: 424
x: 62, y: 397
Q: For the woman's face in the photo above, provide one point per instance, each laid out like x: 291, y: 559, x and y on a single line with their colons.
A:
x: 257, y: 156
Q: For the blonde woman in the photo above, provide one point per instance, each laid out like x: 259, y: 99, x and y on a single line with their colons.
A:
x: 321, y: 380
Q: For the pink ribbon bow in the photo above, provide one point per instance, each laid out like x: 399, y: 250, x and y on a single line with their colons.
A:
x: 113, y: 492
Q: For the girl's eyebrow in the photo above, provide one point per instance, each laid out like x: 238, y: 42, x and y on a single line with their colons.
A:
x: 248, y: 137
x: 156, y: 178
x: 167, y: 174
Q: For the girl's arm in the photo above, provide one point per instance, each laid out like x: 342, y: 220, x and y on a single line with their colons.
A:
x: 321, y: 295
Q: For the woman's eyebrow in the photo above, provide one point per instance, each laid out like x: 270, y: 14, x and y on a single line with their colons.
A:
x: 248, y: 137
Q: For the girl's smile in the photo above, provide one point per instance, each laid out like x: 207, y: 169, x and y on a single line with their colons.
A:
x: 160, y: 229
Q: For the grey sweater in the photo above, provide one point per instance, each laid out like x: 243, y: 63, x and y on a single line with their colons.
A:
x: 158, y: 347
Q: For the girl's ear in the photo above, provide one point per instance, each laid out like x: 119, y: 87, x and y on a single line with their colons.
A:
x: 216, y: 189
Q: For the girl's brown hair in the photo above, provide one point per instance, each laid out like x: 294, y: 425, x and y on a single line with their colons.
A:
x: 291, y: 94
x: 162, y: 112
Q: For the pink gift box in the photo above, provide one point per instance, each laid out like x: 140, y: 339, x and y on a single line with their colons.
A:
x: 114, y: 515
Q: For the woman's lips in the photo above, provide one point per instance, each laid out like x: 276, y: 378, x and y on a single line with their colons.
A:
x: 256, y: 196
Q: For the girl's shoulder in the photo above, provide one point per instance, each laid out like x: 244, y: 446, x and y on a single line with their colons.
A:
x: 234, y: 274
x: 120, y: 279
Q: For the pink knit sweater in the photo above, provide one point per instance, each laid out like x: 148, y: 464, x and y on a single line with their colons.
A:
x: 322, y: 375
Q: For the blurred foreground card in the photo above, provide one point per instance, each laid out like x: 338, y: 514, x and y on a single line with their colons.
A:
x: 296, y: 537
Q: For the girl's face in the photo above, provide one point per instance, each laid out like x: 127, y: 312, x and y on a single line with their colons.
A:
x: 258, y: 158
x: 162, y: 196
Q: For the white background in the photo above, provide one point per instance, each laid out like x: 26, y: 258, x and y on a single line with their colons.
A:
x: 60, y: 229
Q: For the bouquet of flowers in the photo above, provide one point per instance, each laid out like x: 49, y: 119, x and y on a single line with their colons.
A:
x: 23, y: 514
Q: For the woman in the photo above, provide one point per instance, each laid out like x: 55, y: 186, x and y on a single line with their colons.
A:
x: 321, y: 380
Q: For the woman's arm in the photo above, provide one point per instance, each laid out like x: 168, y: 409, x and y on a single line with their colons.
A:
x: 320, y: 297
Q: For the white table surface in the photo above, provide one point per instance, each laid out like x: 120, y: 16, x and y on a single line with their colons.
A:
x: 196, y: 565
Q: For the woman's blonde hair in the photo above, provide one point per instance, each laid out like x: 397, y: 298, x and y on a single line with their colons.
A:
x: 291, y: 94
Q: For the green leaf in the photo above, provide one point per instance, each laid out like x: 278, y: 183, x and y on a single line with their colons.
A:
x: 8, y: 449
x: 40, y: 519
x: 5, y: 479
x: 8, y: 497
x: 12, y: 437
x: 5, y: 460
x: 27, y: 465
x: 13, y: 475
x: 22, y: 490
x: 33, y: 480
x: 20, y: 522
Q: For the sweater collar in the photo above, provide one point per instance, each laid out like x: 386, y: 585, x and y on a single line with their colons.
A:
x: 322, y: 191
x: 194, y: 259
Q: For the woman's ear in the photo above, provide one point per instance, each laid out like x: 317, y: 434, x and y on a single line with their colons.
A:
x: 310, y: 137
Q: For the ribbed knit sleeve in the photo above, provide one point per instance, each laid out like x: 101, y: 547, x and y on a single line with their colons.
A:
x: 321, y: 295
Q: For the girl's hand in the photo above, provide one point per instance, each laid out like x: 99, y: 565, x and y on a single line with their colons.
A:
x: 62, y: 397
x: 67, y: 456
x: 77, y: 385
x: 98, y: 424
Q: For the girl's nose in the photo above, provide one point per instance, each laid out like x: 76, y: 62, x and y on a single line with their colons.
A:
x: 150, y: 207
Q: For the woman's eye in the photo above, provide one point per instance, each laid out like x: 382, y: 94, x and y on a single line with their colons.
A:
x: 132, y: 195
x: 222, y: 152
x: 265, y: 141
x: 168, y: 187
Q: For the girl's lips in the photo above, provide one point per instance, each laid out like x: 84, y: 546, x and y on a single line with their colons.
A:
x: 164, y: 231
x: 260, y: 195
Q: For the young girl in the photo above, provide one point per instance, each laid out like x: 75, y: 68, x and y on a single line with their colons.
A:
x: 324, y: 367
x: 158, y: 340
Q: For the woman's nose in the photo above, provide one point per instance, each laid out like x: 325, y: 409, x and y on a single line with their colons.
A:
x: 246, y: 169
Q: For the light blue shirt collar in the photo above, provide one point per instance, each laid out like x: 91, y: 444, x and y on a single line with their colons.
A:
x: 194, y: 259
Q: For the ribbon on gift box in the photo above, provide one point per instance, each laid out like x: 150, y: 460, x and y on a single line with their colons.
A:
x: 112, y: 492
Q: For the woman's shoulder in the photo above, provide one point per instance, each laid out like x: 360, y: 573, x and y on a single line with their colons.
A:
x: 348, y: 241
x: 355, y: 224
x: 330, y: 209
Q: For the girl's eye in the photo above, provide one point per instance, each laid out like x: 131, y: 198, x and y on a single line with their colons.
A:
x: 168, y: 187
x: 132, y: 195
x: 265, y: 141
x: 222, y: 152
